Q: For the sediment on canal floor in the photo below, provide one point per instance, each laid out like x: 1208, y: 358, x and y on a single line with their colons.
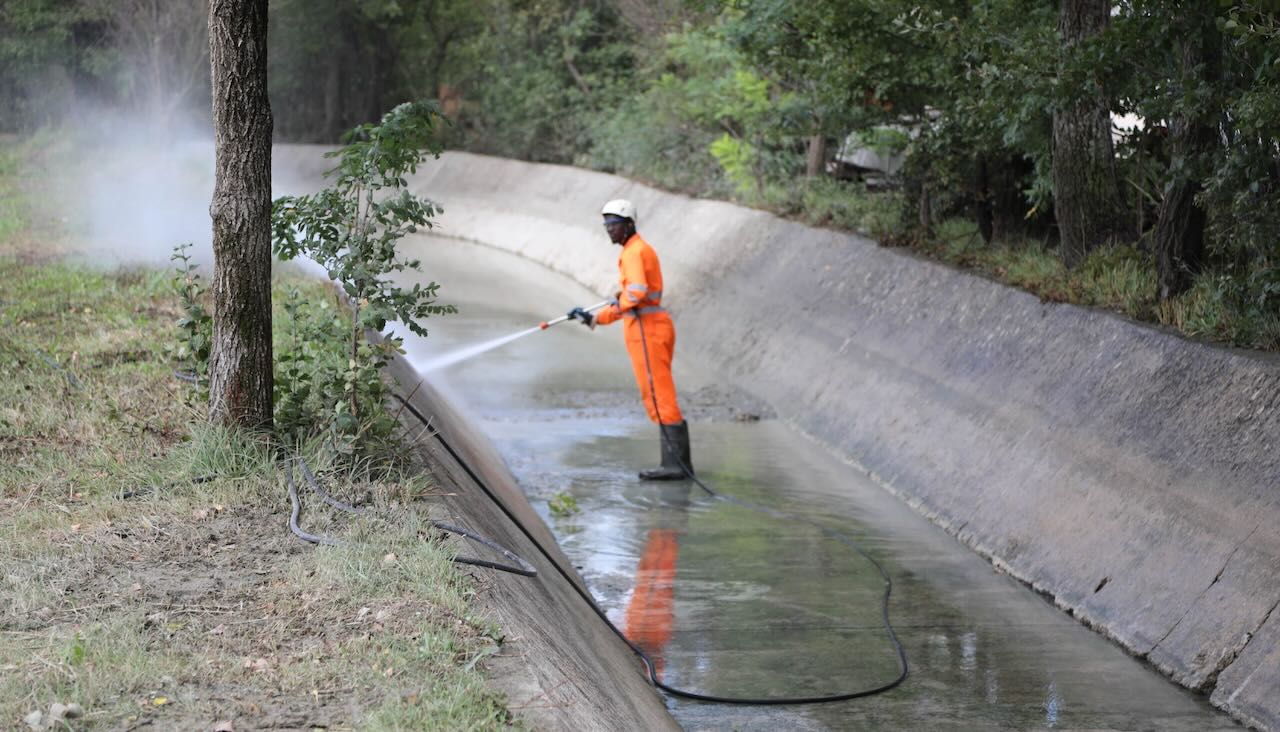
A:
x: 560, y: 665
x: 1127, y: 472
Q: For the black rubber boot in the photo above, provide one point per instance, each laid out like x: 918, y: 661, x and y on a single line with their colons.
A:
x: 675, y: 454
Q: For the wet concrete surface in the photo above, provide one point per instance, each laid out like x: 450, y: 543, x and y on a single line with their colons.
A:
x: 733, y: 602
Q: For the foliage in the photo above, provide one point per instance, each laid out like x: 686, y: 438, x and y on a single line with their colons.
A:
x: 706, y: 121
x: 195, y: 327
x: 310, y: 368
x: 848, y: 205
x: 50, y: 51
x: 563, y: 504
x: 539, y: 72
x: 351, y: 229
x: 335, y: 64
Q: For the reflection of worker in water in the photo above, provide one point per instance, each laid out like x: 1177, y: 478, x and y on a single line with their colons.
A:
x: 650, y: 614
x: 650, y: 337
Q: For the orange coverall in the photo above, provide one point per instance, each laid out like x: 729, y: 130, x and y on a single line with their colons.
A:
x: 641, y: 299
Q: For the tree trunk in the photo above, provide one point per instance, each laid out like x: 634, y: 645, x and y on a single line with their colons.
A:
x: 1085, y: 191
x: 982, y: 202
x: 330, y: 129
x: 1007, y: 178
x: 240, y: 360
x: 816, y: 161
x: 1179, y: 234
x: 925, y: 210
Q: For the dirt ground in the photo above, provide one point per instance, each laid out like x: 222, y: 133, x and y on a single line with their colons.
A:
x: 195, y: 611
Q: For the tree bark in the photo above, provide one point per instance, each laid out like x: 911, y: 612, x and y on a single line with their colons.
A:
x: 330, y: 129
x: 1085, y: 190
x: 816, y: 160
x: 240, y: 378
x: 982, y: 202
x: 1002, y: 180
x: 1179, y: 234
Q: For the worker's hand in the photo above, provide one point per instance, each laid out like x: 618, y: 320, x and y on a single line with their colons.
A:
x: 580, y: 314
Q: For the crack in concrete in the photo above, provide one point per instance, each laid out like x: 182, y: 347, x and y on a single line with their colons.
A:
x: 1209, y: 681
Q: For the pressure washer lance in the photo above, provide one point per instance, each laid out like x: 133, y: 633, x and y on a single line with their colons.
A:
x: 548, y: 323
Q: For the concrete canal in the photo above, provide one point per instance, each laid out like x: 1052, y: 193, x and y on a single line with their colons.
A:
x: 734, y: 602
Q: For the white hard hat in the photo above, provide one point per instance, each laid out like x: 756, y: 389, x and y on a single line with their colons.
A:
x: 620, y: 207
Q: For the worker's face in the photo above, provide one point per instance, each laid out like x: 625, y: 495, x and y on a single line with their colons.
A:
x: 619, y: 231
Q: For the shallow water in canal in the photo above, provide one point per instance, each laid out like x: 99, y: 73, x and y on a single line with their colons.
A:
x: 734, y: 602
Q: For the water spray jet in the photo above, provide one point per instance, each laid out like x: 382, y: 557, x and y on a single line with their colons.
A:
x: 462, y: 354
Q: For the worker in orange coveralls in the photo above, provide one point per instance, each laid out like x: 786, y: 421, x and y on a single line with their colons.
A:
x: 650, y: 337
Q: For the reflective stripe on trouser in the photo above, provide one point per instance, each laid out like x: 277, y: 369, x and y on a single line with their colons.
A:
x: 660, y: 335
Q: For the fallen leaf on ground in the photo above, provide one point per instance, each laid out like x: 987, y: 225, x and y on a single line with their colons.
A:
x: 257, y: 665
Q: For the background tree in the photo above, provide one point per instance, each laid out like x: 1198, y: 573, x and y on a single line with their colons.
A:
x: 163, y: 52
x: 337, y: 64
x: 53, y: 54
x: 1193, y: 131
x: 240, y: 365
x: 1085, y: 192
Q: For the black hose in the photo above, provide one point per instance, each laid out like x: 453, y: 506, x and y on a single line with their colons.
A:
x: 67, y: 373
x: 520, y: 566
x: 296, y: 509
x: 324, y: 495
x: 524, y: 569
x: 186, y: 376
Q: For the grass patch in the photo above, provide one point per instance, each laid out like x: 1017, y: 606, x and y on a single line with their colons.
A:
x: 191, y: 603
x: 1121, y: 279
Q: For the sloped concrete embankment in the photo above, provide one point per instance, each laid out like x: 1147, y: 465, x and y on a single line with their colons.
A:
x: 560, y: 667
x: 1129, y: 473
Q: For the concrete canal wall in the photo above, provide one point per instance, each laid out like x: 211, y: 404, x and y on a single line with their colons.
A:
x: 1132, y: 475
